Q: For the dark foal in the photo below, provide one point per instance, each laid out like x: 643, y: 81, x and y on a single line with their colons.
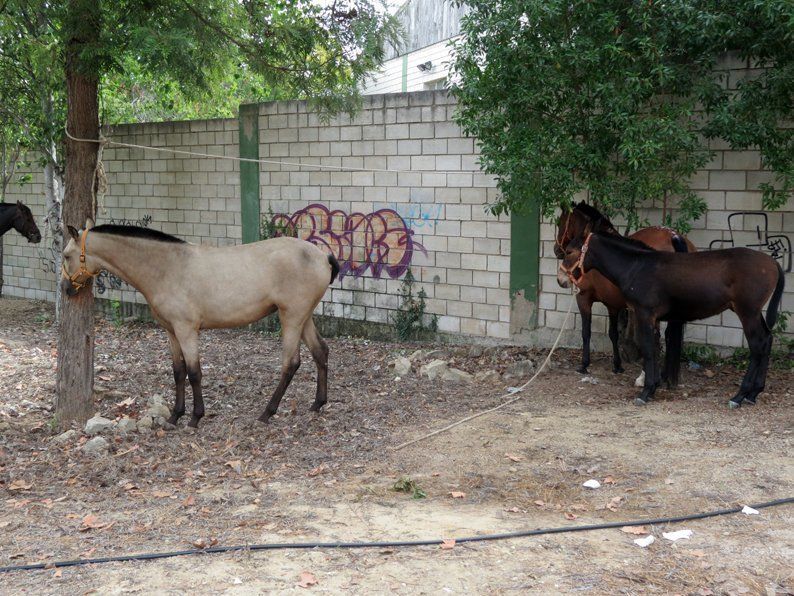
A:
x: 18, y: 216
x: 661, y: 286
x: 594, y: 287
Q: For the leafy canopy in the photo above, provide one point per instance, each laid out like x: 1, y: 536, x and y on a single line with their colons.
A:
x: 181, y: 59
x: 621, y: 98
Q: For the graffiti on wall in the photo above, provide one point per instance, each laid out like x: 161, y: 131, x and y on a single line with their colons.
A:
x: 421, y: 216
x: 751, y: 229
x: 379, y: 242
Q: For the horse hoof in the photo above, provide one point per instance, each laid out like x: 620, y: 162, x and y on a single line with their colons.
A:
x: 582, y: 370
x: 638, y: 401
x: 168, y: 425
x: 734, y: 405
x: 618, y: 370
x: 264, y: 418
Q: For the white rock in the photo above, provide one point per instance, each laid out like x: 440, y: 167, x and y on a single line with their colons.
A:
x: 488, y: 376
x: 96, y: 425
x: 456, y: 375
x: 589, y: 379
x: 64, y: 437
x: 158, y: 410
x: 126, y: 425
x: 418, y: 355
x: 96, y: 446
x: 434, y: 369
x: 679, y: 535
x: 520, y: 369
x: 592, y: 483
x: 145, y: 422
x: 645, y: 542
x: 402, y: 366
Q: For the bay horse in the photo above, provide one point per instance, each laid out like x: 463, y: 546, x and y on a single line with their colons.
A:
x: 574, y: 225
x: 18, y: 216
x: 191, y: 287
x: 664, y: 286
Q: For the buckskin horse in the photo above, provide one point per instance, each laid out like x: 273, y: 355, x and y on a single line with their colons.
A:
x: 594, y: 287
x: 18, y: 216
x: 663, y: 286
x: 191, y: 287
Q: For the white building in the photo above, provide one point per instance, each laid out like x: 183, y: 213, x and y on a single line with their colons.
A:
x: 422, y: 60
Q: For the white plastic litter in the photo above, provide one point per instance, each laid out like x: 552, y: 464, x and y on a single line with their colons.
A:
x: 673, y: 536
x: 512, y: 390
x: 645, y: 542
x: 589, y: 379
x: 749, y: 510
x: 593, y: 483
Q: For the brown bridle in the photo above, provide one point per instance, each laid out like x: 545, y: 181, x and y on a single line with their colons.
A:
x: 79, y: 279
x: 579, y: 264
x: 560, y: 241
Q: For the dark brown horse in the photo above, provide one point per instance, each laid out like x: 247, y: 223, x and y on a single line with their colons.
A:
x: 663, y: 286
x: 18, y: 216
x: 594, y: 287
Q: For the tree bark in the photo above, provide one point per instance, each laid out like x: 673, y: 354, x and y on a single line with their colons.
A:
x: 75, y: 378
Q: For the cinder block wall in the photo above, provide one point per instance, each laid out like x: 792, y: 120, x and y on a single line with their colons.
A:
x: 195, y: 198
x: 431, y: 204
x: 460, y: 254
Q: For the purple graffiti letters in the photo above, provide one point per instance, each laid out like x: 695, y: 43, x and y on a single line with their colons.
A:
x: 379, y: 242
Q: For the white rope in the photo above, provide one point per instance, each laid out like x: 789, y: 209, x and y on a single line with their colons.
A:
x: 268, y: 161
x: 507, y: 403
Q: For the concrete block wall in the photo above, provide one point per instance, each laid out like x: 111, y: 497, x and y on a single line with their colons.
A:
x: 195, y: 198
x: 412, y: 171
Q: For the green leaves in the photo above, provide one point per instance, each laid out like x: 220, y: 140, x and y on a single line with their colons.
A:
x: 620, y: 99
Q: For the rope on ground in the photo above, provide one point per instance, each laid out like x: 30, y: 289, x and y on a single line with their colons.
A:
x: 267, y: 161
x: 502, y: 405
x: 390, y: 543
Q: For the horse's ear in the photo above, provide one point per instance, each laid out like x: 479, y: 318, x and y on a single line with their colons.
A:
x: 73, y: 232
x: 89, y: 223
x: 19, y: 203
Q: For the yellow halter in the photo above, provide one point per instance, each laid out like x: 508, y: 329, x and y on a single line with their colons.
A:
x: 79, y: 279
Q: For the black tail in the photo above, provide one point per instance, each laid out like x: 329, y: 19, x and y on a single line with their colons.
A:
x: 673, y: 346
x: 679, y: 244
x: 334, y: 268
x: 774, y: 304
x: 674, y: 336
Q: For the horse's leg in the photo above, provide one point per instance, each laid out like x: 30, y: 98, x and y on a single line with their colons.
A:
x: 646, y: 332
x: 673, y: 341
x: 290, y: 361
x: 759, y: 381
x: 180, y: 373
x: 759, y: 340
x: 188, y: 339
x: 585, y: 303
x: 613, y: 336
x: 319, y: 350
x: 657, y: 355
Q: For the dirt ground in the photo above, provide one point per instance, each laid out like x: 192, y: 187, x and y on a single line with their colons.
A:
x: 330, y: 477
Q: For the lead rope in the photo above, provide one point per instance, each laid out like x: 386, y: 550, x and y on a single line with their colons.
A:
x: 511, y: 392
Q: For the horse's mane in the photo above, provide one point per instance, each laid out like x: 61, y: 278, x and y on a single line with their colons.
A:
x: 137, y: 232
x: 594, y: 214
x: 628, y: 242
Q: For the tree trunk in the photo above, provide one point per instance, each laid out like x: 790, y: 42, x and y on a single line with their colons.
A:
x: 76, y: 331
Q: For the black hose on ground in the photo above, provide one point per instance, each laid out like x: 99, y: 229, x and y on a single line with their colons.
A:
x: 388, y: 543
